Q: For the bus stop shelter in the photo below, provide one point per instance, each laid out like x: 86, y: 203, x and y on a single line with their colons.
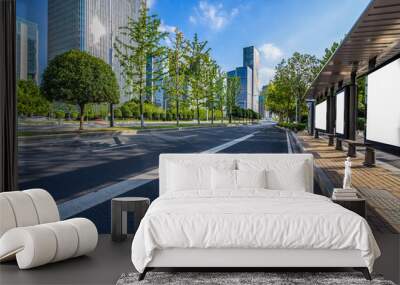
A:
x: 373, y: 42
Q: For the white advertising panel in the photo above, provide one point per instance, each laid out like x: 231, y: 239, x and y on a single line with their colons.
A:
x: 320, y: 116
x: 383, y: 105
x: 340, y: 113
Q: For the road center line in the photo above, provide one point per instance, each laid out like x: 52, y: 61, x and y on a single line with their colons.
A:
x: 113, y: 147
x: 82, y: 203
x: 228, y: 144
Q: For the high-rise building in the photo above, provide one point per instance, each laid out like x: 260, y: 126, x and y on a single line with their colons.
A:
x: 155, y: 93
x: 89, y: 25
x: 27, y: 50
x: 245, y: 74
x: 251, y: 58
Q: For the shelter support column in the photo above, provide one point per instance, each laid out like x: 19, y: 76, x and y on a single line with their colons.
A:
x: 353, y: 107
x: 311, y: 116
x: 332, y: 111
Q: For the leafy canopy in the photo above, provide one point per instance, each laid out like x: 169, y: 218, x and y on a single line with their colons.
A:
x: 77, y: 77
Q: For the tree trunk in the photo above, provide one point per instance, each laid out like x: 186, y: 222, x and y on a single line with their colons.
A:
x: 82, y: 116
x: 177, y: 113
x: 111, y: 115
x: 212, y: 115
x: 222, y: 115
x: 198, y: 111
x: 141, y: 110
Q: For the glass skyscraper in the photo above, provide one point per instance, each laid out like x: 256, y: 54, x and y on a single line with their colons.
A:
x: 245, y: 74
x: 89, y: 25
x: 251, y: 58
x: 248, y: 74
x: 27, y: 50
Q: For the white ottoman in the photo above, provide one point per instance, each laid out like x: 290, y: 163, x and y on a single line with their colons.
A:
x: 31, y: 232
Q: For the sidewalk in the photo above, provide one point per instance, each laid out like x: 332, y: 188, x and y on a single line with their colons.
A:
x: 379, y: 185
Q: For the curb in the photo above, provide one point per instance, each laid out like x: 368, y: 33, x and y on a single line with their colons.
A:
x: 323, y: 181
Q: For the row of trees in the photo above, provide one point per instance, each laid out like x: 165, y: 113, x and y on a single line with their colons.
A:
x: 285, y: 95
x: 190, y: 78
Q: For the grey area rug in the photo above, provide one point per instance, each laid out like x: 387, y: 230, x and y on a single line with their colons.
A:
x: 229, y: 278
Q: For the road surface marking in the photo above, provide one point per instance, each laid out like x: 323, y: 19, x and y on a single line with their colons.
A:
x: 113, y: 147
x: 74, y: 206
x: 82, y: 203
x: 228, y: 144
x: 289, y: 145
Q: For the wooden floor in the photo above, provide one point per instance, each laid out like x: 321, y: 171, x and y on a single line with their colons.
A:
x: 380, y: 185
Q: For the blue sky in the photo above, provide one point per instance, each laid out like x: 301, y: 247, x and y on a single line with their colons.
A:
x: 276, y: 27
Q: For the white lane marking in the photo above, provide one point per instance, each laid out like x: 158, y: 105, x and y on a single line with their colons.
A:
x: 74, y: 206
x: 186, y: 137
x: 113, y: 147
x: 289, y: 145
x: 82, y: 203
x: 228, y: 144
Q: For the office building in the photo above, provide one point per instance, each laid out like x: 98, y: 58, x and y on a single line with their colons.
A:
x: 251, y: 58
x: 248, y: 74
x: 89, y: 25
x: 244, y: 99
x: 154, y: 81
x: 27, y: 50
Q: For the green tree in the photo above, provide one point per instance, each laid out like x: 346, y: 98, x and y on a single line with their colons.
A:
x: 210, y: 76
x: 361, y: 85
x: 232, y: 91
x: 144, y: 38
x: 76, y: 77
x: 220, y: 93
x: 174, y: 83
x: 29, y: 99
x: 302, y: 70
x: 197, y: 52
x: 328, y: 54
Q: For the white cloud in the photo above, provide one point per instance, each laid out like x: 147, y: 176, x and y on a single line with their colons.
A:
x: 166, y: 28
x: 266, y: 74
x: 212, y: 15
x: 192, y: 19
x: 150, y: 3
x: 271, y: 52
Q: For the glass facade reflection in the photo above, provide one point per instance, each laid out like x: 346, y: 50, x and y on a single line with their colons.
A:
x: 27, y: 55
x: 89, y: 25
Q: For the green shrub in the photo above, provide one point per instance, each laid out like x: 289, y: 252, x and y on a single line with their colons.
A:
x: 292, y: 126
x: 360, y: 124
x: 59, y: 115
x: 118, y: 113
x: 74, y: 115
x: 156, y: 116
x: 126, y: 112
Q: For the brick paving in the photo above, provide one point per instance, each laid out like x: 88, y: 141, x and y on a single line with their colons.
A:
x: 380, y: 186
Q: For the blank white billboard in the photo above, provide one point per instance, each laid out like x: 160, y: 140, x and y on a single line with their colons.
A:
x: 320, y: 116
x: 383, y: 105
x: 340, y: 113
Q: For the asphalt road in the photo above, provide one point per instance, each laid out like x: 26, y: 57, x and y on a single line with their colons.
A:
x: 71, y: 167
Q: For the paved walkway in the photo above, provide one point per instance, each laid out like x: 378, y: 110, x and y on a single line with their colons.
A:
x: 379, y: 185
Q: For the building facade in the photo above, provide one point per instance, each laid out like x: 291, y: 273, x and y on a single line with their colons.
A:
x: 251, y: 58
x: 90, y: 25
x: 27, y: 50
x: 154, y: 81
x: 248, y: 73
x: 245, y: 74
